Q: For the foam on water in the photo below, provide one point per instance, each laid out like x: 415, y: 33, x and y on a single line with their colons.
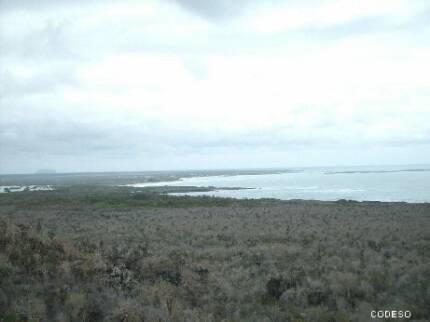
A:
x: 5, y: 189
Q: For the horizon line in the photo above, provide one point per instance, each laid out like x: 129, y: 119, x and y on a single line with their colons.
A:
x: 205, y: 169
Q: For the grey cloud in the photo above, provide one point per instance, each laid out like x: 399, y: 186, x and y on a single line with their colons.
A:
x: 54, y: 137
x: 214, y: 9
x: 371, y: 24
x: 55, y: 133
x: 37, y: 5
x: 63, y: 139
x: 50, y: 41
x: 46, y: 81
x: 24, y: 4
x: 355, y: 27
x: 59, y: 39
x: 59, y: 130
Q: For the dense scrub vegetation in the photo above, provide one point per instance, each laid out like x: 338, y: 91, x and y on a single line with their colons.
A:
x: 117, y: 197
x: 92, y: 254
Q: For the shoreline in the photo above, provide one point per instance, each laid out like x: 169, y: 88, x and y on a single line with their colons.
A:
x: 193, y: 192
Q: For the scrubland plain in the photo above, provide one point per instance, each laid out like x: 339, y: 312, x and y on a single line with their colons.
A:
x: 88, y: 253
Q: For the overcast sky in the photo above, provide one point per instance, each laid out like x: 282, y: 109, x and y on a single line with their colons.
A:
x: 183, y: 84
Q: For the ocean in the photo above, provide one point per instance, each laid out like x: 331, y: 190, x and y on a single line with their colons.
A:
x: 370, y: 183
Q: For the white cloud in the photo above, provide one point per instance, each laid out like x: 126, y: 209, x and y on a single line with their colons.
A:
x: 141, y: 83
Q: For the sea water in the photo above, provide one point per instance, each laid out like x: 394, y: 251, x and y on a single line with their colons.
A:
x: 373, y: 183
